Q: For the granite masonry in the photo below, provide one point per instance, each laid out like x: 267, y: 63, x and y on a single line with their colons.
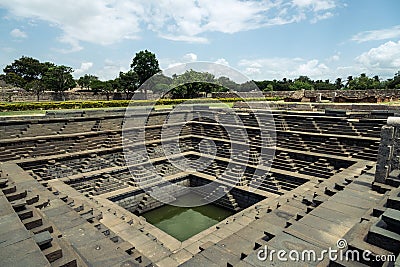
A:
x: 68, y: 198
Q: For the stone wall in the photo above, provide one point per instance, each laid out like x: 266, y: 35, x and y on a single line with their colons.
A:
x: 338, y: 96
x: 374, y: 108
x: 18, y: 95
x: 365, y: 96
x: 389, y: 150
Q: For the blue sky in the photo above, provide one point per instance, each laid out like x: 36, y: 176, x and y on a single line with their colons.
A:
x: 323, y: 39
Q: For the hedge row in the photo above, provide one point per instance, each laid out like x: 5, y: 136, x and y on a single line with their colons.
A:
x: 19, y: 106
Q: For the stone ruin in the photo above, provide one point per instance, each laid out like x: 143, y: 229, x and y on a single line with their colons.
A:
x: 68, y: 199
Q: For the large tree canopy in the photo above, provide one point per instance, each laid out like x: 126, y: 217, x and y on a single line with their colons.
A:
x: 363, y: 82
x: 26, y: 68
x: 105, y: 87
x: 191, y: 83
x: 87, y: 81
x: 59, y: 78
x: 35, y: 86
x: 128, y: 82
x: 145, y: 65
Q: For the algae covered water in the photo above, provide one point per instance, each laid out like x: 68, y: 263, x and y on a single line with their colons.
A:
x: 183, y: 223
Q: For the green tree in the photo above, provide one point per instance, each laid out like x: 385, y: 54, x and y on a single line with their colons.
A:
x: 87, y: 80
x: 14, y: 79
x: 35, y: 86
x: 363, y: 82
x: 299, y: 85
x: 105, y: 87
x: 323, y: 85
x: 159, y: 83
x: 338, y: 84
x: 226, y: 84
x: 269, y: 87
x: 281, y: 85
x: 304, y: 79
x: 303, y: 82
x: 145, y: 65
x: 395, y: 82
x: 127, y: 82
x: 26, y: 68
x: 348, y: 81
x: 191, y: 83
x: 59, y: 78
x: 161, y: 88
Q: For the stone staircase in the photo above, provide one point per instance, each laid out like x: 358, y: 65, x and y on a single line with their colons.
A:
x: 227, y: 200
x: 385, y: 232
x: 26, y: 206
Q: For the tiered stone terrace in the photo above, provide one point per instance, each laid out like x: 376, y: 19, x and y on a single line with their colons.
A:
x: 65, y: 172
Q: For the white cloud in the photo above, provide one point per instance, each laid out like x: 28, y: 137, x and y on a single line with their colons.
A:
x: 222, y: 61
x: 334, y: 58
x: 74, y: 45
x: 320, y: 9
x: 323, y: 16
x: 252, y: 71
x: 382, y: 34
x: 167, y: 63
x: 106, y: 22
x: 383, y: 61
x: 183, y: 38
x: 312, y: 68
x: 111, y: 69
x: 315, y: 5
x: 190, y: 57
x: 173, y: 65
x: 89, y: 21
x: 85, y: 66
x: 17, y: 33
x: 278, y: 68
x: 385, y: 57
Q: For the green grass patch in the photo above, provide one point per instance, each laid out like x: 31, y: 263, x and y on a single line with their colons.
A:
x: 42, y: 106
x: 22, y: 113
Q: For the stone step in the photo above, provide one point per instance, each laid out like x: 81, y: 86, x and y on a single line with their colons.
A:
x: 19, y: 204
x: 30, y: 200
x: 25, y: 214
x: 43, y: 239
x: 3, y: 182
x: 65, y: 262
x: 393, y: 180
x: 32, y: 222
x: 16, y: 195
x: 53, y: 253
x: 9, y: 190
x: 393, y: 203
x: 43, y: 228
x: 383, y: 238
x: 392, y: 218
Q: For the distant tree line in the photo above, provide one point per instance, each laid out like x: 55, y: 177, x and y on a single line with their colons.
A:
x: 361, y: 82
x: 35, y: 76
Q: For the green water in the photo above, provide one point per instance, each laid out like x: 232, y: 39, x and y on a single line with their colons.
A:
x: 183, y: 223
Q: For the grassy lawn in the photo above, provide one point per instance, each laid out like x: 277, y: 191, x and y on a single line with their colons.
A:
x: 22, y: 113
x: 393, y: 103
x: 157, y: 107
x: 211, y: 105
